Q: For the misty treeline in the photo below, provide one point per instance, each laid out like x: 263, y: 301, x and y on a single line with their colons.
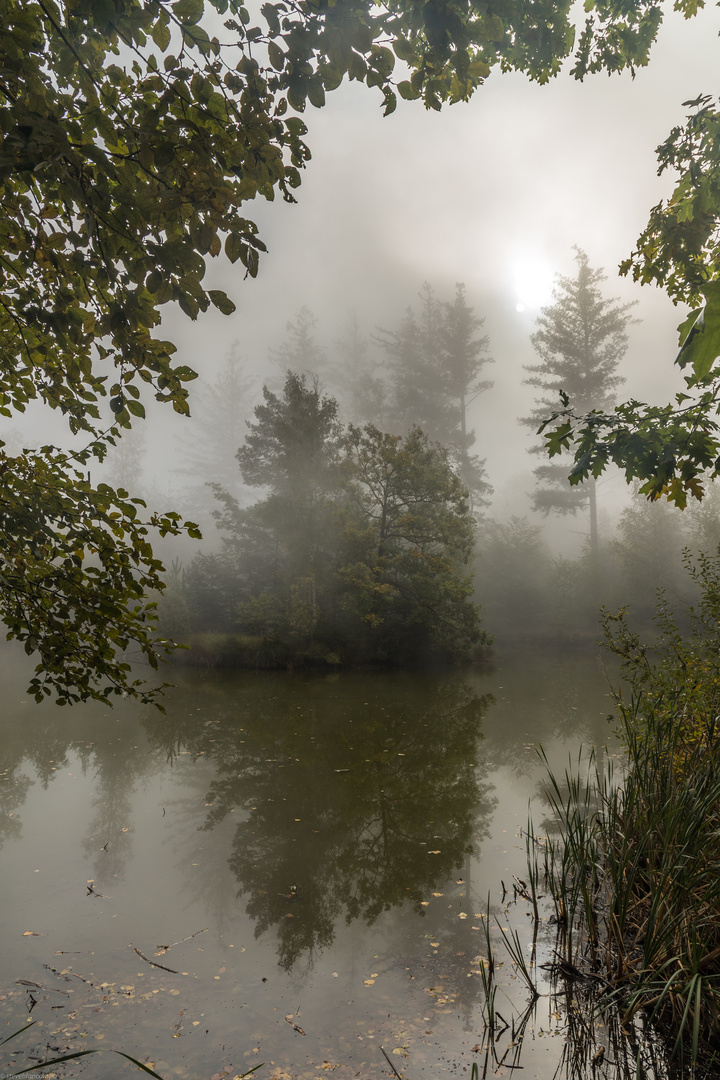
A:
x: 347, y: 515
x: 360, y: 546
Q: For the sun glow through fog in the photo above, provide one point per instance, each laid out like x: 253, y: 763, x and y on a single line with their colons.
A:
x: 532, y: 283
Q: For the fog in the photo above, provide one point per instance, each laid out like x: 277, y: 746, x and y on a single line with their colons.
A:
x: 494, y: 193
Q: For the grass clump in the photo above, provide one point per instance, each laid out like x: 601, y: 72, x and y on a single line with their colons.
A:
x: 636, y: 879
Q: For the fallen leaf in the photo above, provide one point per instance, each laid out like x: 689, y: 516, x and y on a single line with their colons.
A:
x: 438, y: 894
x: 462, y: 915
x: 434, y: 852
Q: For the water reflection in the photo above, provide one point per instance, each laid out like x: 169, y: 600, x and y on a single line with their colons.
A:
x: 346, y: 801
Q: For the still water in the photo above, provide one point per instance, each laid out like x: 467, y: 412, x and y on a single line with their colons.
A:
x: 285, y: 869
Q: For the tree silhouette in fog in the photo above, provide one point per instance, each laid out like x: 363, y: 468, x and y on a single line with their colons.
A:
x: 580, y: 338
x: 436, y: 357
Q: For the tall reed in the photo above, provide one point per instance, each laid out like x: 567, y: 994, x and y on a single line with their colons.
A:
x: 635, y: 878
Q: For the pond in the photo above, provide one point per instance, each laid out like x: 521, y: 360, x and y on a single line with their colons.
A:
x: 286, y: 869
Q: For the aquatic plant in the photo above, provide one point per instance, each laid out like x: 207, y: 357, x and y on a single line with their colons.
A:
x: 635, y: 875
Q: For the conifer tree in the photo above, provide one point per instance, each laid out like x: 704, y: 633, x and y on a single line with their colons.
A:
x: 436, y: 360
x: 300, y: 352
x: 581, y: 339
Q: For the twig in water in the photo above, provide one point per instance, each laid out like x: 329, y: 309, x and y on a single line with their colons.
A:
x: 153, y: 964
x: 293, y: 1025
x: 189, y: 938
x: 390, y: 1063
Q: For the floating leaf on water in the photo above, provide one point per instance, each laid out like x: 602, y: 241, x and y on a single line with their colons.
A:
x: 438, y: 894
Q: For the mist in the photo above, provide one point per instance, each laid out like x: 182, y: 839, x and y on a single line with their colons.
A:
x: 493, y: 194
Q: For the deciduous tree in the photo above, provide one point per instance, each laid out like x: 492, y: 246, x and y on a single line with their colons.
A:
x: 410, y: 540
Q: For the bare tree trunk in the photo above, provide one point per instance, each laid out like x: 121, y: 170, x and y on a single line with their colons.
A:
x: 594, y: 544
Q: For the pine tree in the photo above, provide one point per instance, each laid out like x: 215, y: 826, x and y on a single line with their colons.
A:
x: 436, y: 357
x: 300, y: 351
x: 465, y: 356
x: 581, y: 339
x: 357, y: 376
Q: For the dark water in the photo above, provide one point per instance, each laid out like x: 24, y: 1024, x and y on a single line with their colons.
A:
x: 330, y: 842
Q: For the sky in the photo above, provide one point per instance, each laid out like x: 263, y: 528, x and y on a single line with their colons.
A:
x: 493, y: 193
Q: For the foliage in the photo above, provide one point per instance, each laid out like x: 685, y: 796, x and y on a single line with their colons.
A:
x: 293, y: 443
x: 75, y: 570
x: 411, y: 536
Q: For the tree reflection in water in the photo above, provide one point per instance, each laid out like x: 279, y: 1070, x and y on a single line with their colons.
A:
x: 352, y: 796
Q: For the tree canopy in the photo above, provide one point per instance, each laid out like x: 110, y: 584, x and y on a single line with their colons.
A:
x: 133, y: 134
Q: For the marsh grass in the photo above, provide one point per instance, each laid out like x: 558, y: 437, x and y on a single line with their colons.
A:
x: 635, y: 874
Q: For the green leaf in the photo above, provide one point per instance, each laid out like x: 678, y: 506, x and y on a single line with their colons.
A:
x: 234, y: 246
x: 316, y: 93
x: 276, y: 56
x: 221, y: 301
x: 161, y: 35
x: 701, y: 346
x: 189, y: 12
x: 407, y: 91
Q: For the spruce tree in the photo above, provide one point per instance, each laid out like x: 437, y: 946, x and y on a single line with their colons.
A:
x: 436, y: 357
x: 580, y: 338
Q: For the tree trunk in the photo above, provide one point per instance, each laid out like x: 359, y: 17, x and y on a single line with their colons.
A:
x: 594, y: 545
